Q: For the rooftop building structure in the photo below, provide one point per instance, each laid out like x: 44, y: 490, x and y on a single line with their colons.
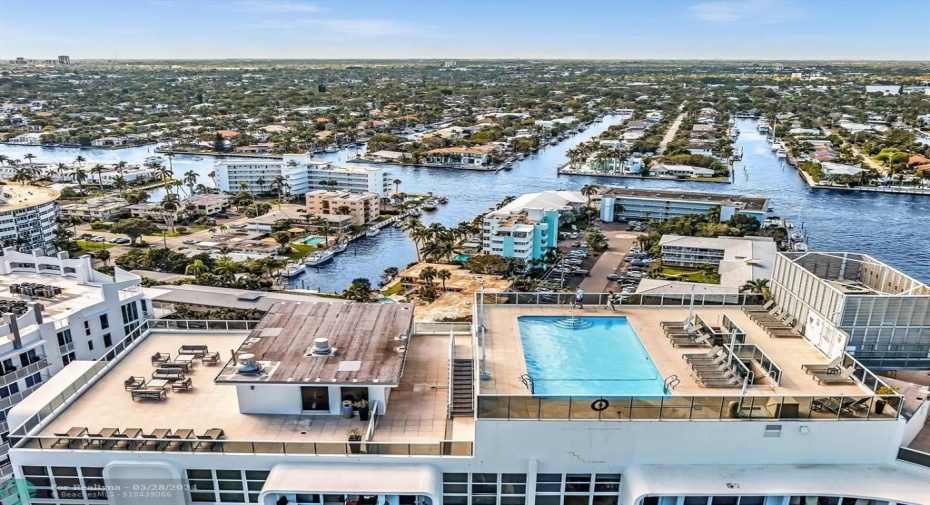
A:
x: 101, y: 208
x: 622, y: 204
x: 57, y: 310
x: 28, y: 217
x: 737, y: 259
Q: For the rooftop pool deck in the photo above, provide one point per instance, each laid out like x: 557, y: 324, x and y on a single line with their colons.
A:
x: 506, y: 362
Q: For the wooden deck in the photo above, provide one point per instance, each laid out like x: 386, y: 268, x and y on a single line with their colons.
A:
x: 359, y: 332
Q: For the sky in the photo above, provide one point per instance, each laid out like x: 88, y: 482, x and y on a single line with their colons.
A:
x: 453, y: 29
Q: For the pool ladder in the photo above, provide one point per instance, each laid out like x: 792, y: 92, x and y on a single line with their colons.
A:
x: 671, y: 382
x: 528, y: 382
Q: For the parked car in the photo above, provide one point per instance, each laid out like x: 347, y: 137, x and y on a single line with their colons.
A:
x: 635, y: 275
x: 189, y: 242
x: 614, y: 277
x: 581, y: 271
x: 576, y: 244
x: 115, y: 240
x: 573, y: 236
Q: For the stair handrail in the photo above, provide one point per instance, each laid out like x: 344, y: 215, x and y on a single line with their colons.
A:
x: 451, y: 374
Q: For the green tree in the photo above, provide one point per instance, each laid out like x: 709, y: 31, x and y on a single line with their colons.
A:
x: 134, y: 228
x: 359, y: 290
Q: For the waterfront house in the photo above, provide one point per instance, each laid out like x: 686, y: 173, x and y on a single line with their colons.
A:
x: 835, y: 170
x: 885, y: 90
x: 478, y: 156
x: 680, y: 171
x: 108, y: 142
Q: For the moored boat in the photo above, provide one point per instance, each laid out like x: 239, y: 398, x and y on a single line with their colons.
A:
x: 318, y: 258
x: 340, y: 248
x: 373, y: 232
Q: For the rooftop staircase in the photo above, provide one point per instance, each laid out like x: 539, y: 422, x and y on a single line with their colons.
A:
x: 463, y: 387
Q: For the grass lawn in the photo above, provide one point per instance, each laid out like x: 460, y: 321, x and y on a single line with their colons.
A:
x: 687, y: 275
x: 393, y: 290
x: 87, y: 246
x: 300, y: 250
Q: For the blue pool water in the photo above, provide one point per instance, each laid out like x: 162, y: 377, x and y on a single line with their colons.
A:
x: 461, y: 257
x: 598, y: 356
x: 314, y: 240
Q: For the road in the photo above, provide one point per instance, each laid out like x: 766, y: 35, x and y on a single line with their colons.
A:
x: 672, y: 130
x: 619, y: 243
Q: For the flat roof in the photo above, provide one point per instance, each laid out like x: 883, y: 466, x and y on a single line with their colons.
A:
x: 757, y: 203
x: 363, y: 337
x: 414, y: 413
x: 506, y: 361
x: 15, y: 197
x: 226, y: 297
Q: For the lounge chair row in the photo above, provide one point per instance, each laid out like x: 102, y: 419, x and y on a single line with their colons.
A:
x: 842, y: 376
x: 713, y: 369
x: 132, y: 439
x: 193, y: 351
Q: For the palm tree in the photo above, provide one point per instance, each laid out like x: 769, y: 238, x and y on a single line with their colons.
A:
x: 79, y: 177
x: 280, y: 185
x: 99, y: 170
x: 170, y: 204
x: 428, y: 274
x: 225, y: 266
x: 444, y: 275
x: 325, y: 228
x: 261, y: 185
x: 396, y: 186
x: 758, y: 286
x: 120, y: 166
x: 80, y: 159
x: 23, y: 175
x: 29, y: 157
x: 3, y: 159
x: 590, y: 190
x: 212, y: 177
x: 60, y: 169
x: 119, y: 182
x: 190, y: 178
x: 170, y: 165
x: 196, y: 268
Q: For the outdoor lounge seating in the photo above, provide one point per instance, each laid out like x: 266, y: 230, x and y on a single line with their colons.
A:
x: 160, y: 357
x: 702, y: 339
x: 155, y: 440
x: 793, y: 332
x: 149, y: 394
x: 171, y: 374
x: 179, y: 439
x: 72, y: 439
x: 134, y: 382
x: 732, y: 382
x: 196, y: 350
x: 97, y: 440
x: 186, y: 367
x: 207, y: 441
x: 767, y: 306
x: 123, y: 443
x: 711, y: 354
x: 822, y: 368
x: 182, y: 385
x: 210, y: 358
x: 844, y: 404
x: 843, y: 377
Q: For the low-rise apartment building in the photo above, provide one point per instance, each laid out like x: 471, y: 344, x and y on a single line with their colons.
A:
x: 737, y: 259
x: 200, y: 205
x: 529, y: 226
x: 302, y: 175
x: 623, y: 204
x: 361, y: 207
x: 103, y: 208
x: 479, y: 156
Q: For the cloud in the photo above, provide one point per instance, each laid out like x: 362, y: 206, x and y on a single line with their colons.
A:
x: 348, y: 28
x: 275, y: 6
x: 748, y: 11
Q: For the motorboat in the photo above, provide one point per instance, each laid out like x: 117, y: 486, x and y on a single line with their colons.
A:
x: 293, y: 269
x: 800, y: 247
x: 319, y: 258
x: 398, y: 224
x: 443, y: 200
x: 508, y: 165
x: 340, y: 248
x: 781, y: 153
x: 430, y: 205
x: 332, y: 148
x: 373, y: 232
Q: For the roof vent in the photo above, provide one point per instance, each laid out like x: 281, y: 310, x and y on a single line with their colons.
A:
x: 248, y: 365
x: 320, y: 347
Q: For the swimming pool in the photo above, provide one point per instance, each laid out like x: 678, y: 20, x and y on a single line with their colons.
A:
x: 598, y: 356
x: 314, y: 240
x: 461, y: 257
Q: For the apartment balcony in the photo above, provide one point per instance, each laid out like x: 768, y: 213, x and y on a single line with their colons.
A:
x: 65, y: 349
x: 20, y: 373
x: 15, y: 398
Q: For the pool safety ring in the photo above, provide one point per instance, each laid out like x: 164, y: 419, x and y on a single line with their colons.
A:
x: 600, y: 405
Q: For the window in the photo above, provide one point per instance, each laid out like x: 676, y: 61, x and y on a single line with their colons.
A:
x: 90, y: 345
x: 64, y: 337
x: 104, y: 321
x: 87, y: 328
x: 107, y: 340
x: 772, y: 430
x: 68, y: 358
x: 9, y: 390
x: 33, y: 379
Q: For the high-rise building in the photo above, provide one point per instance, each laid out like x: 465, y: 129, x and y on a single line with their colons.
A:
x: 57, y: 310
x: 64, y: 60
x: 28, y: 217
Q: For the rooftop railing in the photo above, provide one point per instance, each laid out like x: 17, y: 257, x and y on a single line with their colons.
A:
x: 441, y: 448
x: 103, y: 364
x: 753, y: 352
x: 634, y: 300
x: 688, y: 408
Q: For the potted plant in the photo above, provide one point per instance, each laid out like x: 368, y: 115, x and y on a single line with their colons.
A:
x: 355, y: 440
x: 362, y: 407
x: 881, y: 402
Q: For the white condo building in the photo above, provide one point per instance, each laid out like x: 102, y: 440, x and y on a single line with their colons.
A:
x: 532, y: 404
x: 57, y: 310
x: 28, y: 216
x: 302, y: 175
x: 528, y: 227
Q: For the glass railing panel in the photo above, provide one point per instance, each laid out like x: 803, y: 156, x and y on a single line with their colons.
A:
x: 553, y: 408
x: 392, y: 449
x: 645, y: 408
x: 524, y: 407
x: 493, y: 407
x: 707, y: 408
x: 676, y: 407
x: 268, y: 447
x: 424, y: 449
x: 587, y: 408
x: 885, y: 407
x: 235, y: 447
x: 299, y: 448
